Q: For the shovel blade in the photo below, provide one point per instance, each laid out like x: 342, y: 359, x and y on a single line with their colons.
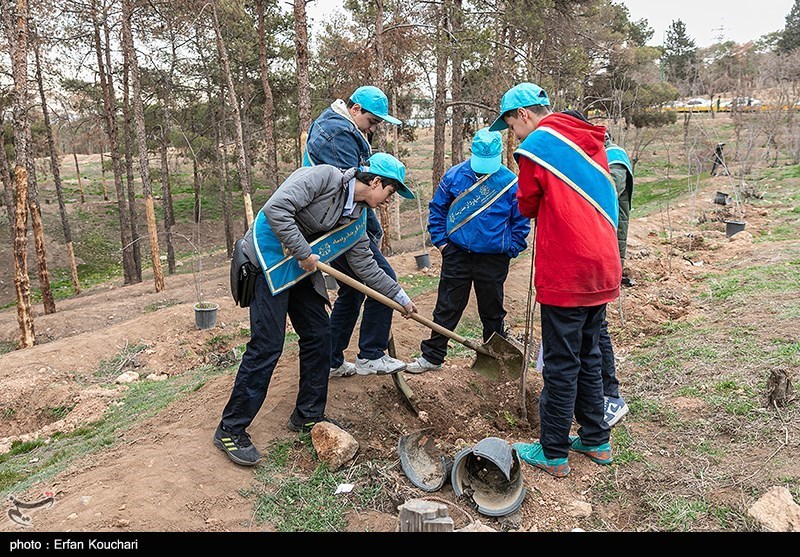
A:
x: 499, y: 358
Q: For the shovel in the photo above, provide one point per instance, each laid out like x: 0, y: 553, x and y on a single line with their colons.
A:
x: 495, y: 358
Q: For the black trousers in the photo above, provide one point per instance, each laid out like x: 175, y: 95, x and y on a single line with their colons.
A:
x: 572, y: 382
x: 309, y: 316
x: 461, y: 271
x: 609, y: 368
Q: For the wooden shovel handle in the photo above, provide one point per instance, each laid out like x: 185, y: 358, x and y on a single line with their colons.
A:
x: 385, y: 300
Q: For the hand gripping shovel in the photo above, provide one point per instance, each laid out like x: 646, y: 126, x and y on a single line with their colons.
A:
x: 494, y: 359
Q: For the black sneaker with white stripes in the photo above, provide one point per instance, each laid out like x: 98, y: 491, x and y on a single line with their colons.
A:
x: 301, y: 425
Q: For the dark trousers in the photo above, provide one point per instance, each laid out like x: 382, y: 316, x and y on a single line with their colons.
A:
x: 609, y: 369
x: 461, y: 271
x: 625, y: 200
x: 376, y: 322
x: 309, y: 316
x: 572, y: 382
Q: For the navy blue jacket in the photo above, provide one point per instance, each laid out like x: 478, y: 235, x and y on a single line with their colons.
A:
x: 335, y: 140
x: 499, y: 229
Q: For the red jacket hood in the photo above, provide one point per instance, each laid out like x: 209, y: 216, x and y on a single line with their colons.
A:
x: 576, y: 131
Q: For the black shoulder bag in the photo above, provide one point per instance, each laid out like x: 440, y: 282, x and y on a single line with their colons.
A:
x: 243, y: 276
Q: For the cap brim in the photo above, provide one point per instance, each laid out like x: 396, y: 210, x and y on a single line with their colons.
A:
x: 405, y: 192
x: 498, y: 125
x: 390, y: 119
x: 485, y: 165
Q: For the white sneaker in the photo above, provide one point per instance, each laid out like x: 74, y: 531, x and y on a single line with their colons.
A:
x: 384, y: 365
x: 615, y: 408
x: 421, y: 365
x: 345, y: 370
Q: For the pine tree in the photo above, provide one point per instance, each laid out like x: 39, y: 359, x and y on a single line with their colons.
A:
x: 790, y: 39
x: 680, y: 53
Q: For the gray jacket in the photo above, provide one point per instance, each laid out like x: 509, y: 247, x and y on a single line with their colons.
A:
x: 309, y: 203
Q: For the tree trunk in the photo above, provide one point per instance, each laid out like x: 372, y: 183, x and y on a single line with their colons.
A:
x: 301, y: 61
x: 103, y: 171
x: 380, y: 81
x: 169, y: 218
x: 500, y: 67
x: 127, y: 132
x: 457, y: 129
x: 166, y: 187
x: 247, y: 136
x: 38, y: 236
x: 223, y: 195
x: 228, y: 190
x: 141, y: 143
x: 8, y: 186
x: 54, y: 168
x: 17, y: 32
x: 269, y: 108
x: 109, y: 103
x: 220, y: 152
x: 440, y: 99
x: 78, y: 172
x: 237, y: 119
x: 396, y: 201
x: 224, y: 191
x: 22, y: 285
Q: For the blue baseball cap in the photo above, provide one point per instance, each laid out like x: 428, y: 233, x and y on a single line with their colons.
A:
x: 374, y: 100
x: 384, y: 164
x: 519, y: 96
x: 487, y: 149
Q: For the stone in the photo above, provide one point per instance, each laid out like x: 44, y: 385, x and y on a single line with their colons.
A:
x: 579, y: 509
x: 335, y: 447
x: 127, y: 377
x: 776, y: 511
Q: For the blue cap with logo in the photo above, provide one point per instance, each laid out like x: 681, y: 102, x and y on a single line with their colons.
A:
x: 384, y: 164
x: 519, y: 96
x: 374, y: 100
x: 487, y: 152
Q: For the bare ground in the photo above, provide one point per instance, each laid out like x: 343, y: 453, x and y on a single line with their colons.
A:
x: 164, y: 474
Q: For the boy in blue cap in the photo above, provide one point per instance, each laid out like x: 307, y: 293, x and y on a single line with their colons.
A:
x: 564, y: 183
x: 340, y: 137
x: 318, y: 212
x: 474, y: 222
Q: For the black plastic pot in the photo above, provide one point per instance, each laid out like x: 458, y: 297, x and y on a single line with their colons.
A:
x: 423, y: 261
x: 205, y: 315
x: 489, y: 475
x: 732, y: 227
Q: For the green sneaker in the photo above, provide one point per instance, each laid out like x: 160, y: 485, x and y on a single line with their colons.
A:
x: 601, y: 454
x: 533, y: 454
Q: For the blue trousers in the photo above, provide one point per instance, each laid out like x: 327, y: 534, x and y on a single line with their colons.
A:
x: 573, y: 385
x: 308, y: 313
x: 376, y: 322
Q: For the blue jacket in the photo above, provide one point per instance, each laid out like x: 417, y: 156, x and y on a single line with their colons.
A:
x: 499, y: 229
x: 335, y: 140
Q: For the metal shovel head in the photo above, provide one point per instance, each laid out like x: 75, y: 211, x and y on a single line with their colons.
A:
x: 499, y: 358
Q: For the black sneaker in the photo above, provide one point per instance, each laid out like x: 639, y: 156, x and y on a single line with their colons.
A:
x: 628, y: 281
x: 304, y: 426
x: 238, y: 447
